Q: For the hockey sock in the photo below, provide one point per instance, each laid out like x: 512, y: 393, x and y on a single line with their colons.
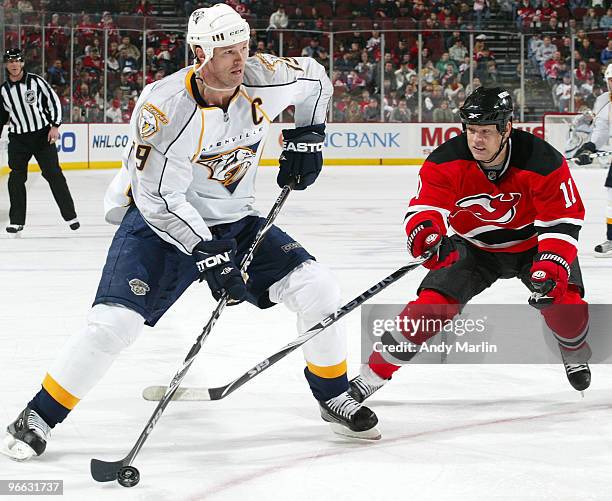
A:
x: 417, y: 327
x: 53, y: 409
x: 568, y: 318
x: 327, y: 382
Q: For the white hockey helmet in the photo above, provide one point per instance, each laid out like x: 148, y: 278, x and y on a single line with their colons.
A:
x: 216, y: 26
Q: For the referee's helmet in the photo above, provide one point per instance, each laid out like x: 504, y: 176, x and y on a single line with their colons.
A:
x: 12, y: 55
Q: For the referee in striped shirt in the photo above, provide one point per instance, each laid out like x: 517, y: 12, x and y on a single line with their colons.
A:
x: 34, y: 114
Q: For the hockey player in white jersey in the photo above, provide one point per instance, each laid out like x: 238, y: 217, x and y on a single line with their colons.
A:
x: 184, y: 201
x: 601, y: 139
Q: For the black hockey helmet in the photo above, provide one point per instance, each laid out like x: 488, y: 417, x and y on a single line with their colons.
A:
x: 13, y: 55
x: 492, y: 106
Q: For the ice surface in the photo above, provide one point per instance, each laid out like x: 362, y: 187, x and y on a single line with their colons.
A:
x: 449, y: 432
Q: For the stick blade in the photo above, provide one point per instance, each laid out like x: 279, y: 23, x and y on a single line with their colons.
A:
x: 105, y: 471
x: 156, y: 393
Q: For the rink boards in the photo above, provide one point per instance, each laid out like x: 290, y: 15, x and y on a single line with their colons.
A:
x: 99, y: 146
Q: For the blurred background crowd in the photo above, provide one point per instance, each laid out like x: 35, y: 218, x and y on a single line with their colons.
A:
x: 388, y: 60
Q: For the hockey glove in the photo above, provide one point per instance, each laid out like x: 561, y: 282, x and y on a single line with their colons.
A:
x: 302, y: 157
x: 549, y: 278
x: 426, y: 236
x: 215, y: 260
x: 583, y: 155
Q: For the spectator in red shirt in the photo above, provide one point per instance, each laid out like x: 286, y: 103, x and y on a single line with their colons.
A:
x: 82, y: 97
x: 419, y: 12
x: 242, y: 9
x: 354, y: 82
x: 93, y: 61
x: 85, y: 31
x: 524, y: 15
x: 108, y: 24
x: 127, y: 114
x: 554, y: 67
x: 582, y: 73
x: 143, y: 8
x: 56, y: 35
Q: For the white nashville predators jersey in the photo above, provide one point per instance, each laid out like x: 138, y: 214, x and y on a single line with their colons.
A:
x: 602, y: 125
x: 190, y: 165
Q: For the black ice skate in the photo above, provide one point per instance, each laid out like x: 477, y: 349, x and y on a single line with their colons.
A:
x: 364, y: 385
x: 14, y: 228
x: 349, y: 418
x: 577, y: 368
x: 26, y: 437
x: 604, y: 249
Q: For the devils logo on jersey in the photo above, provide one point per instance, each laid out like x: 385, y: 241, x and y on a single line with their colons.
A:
x: 500, y: 208
x: 230, y: 167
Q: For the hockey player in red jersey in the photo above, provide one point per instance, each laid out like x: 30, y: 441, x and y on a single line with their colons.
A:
x: 511, y: 201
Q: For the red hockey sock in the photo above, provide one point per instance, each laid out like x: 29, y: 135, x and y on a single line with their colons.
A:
x: 429, y: 305
x: 568, y: 318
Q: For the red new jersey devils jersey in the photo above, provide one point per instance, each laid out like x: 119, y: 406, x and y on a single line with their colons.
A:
x: 533, y: 202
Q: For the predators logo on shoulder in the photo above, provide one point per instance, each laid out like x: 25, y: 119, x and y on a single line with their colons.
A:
x: 151, y: 119
x: 270, y: 61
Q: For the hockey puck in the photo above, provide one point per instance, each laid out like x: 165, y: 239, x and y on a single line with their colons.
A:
x: 128, y: 476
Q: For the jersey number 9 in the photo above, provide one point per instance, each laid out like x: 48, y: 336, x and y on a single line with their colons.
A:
x: 142, y: 153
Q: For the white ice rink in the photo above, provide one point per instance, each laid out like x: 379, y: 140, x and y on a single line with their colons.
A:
x: 450, y: 433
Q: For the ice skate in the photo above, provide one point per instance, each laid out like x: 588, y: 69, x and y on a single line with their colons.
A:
x: 364, y: 385
x: 604, y: 249
x: 14, y: 228
x: 577, y: 368
x: 349, y: 418
x: 26, y: 437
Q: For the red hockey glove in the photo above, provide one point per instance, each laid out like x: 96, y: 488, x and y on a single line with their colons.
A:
x: 549, y: 275
x: 426, y: 235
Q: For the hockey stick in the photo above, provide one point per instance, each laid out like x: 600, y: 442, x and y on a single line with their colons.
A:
x: 106, y: 471
x: 157, y: 392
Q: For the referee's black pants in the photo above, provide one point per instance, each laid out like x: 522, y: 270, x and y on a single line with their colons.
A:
x: 21, y: 147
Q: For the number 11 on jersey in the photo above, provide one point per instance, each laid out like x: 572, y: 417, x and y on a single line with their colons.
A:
x: 568, y: 193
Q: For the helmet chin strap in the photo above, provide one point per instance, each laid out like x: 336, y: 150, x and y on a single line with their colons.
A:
x: 216, y: 89
x: 499, y: 150
x: 200, y: 78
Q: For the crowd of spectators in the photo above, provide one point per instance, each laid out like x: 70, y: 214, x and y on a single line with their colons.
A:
x: 550, y: 52
x: 109, y: 68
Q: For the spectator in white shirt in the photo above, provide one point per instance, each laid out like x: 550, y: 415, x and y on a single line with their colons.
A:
x: 279, y: 19
x: 113, y: 114
x: 543, y: 53
x: 563, y: 93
